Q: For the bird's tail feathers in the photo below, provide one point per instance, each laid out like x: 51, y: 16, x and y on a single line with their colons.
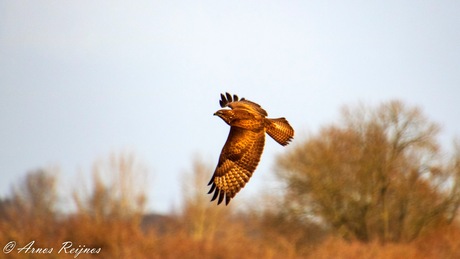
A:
x: 280, y: 130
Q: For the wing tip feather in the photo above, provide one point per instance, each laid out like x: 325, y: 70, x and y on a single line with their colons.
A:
x: 218, y: 194
x: 227, y: 98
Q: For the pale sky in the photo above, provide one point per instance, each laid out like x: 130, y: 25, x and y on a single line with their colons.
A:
x: 81, y: 79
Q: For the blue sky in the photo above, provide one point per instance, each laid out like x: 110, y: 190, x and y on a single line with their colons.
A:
x: 82, y: 79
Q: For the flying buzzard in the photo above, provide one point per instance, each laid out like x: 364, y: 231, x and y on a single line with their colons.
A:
x: 245, y: 143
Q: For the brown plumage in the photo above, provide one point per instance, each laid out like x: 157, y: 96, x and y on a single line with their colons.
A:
x: 245, y: 143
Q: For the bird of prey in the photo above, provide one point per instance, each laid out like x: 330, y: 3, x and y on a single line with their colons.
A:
x: 245, y: 143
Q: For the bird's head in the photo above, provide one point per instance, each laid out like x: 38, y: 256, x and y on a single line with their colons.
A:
x: 226, y: 115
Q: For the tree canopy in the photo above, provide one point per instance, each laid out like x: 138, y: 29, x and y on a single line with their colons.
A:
x: 378, y: 174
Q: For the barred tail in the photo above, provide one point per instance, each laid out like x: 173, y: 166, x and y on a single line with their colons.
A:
x: 280, y: 130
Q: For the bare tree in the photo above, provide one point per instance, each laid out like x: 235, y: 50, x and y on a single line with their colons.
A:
x: 36, y: 196
x: 454, y: 190
x: 119, y: 185
x: 376, y: 175
x: 31, y: 209
x: 203, y: 220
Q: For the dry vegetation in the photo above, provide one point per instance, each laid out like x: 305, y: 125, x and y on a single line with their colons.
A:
x: 375, y: 185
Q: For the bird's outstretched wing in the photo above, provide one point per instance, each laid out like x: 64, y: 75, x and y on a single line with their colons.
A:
x: 238, y: 160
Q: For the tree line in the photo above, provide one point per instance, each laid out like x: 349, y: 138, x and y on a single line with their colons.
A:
x: 374, y: 184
